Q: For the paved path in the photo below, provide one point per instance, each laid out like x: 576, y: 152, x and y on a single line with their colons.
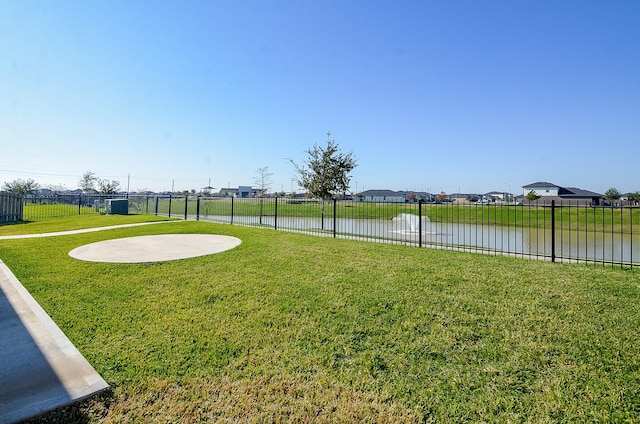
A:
x: 40, y: 369
x: 80, y: 231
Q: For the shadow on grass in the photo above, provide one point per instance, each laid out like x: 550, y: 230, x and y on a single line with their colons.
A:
x: 88, y: 410
x: 6, y: 224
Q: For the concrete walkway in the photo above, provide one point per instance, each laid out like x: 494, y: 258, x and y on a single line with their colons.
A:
x: 82, y: 230
x: 40, y: 369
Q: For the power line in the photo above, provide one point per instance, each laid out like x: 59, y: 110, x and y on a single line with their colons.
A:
x: 39, y: 174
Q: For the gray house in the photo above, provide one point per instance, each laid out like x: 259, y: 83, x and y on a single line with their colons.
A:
x: 572, y: 195
x: 382, y: 196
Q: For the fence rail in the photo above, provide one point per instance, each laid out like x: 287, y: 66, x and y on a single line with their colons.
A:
x: 544, y: 230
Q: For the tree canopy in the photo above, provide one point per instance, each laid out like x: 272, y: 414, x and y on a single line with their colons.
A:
x: 612, y: 194
x: 325, y: 174
x: 108, y: 187
x: 20, y: 186
x: 88, y: 182
x: 532, y: 196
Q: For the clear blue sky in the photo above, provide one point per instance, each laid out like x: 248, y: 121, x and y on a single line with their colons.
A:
x: 455, y: 95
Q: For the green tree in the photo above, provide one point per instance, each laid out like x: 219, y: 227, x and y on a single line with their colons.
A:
x: 635, y: 197
x: 108, y: 187
x: 325, y: 174
x: 532, y: 196
x: 88, y: 182
x: 612, y: 195
x: 21, y: 186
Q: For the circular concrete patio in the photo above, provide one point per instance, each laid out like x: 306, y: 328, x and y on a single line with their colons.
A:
x: 154, y: 248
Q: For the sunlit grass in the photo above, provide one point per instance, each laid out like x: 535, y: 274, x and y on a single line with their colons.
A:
x: 301, y: 328
x: 74, y: 222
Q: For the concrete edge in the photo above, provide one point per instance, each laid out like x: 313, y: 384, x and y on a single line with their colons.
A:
x: 78, y: 379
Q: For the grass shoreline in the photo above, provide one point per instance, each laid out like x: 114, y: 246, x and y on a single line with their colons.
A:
x: 301, y: 328
x: 575, y: 218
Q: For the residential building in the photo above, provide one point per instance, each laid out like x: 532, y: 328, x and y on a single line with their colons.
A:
x: 572, y: 195
x: 382, y: 196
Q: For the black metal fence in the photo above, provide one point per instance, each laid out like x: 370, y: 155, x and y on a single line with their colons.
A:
x: 546, y: 230
x: 58, y: 205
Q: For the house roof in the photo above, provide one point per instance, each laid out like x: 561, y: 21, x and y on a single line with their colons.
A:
x: 578, y: 192
x: 541, y: 184
x: 387, y: 193
x: 567, y: 192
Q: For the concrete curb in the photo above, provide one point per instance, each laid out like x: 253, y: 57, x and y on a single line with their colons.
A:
x: 40, y: 369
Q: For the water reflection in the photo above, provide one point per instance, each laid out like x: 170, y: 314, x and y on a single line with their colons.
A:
x: 579, y: 245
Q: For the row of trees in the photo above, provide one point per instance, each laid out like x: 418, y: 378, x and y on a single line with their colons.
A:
x: 325, y: 175
x: 89, y: 183
x: 24, y: 187
x: 613, y: 195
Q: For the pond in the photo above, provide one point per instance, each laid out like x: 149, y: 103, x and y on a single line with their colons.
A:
x: 580, y: 245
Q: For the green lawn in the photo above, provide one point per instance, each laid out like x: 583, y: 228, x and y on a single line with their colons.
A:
x: 74, y: 222
x: 290, y: 327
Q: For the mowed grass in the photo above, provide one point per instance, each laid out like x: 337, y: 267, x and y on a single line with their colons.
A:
x: 75, y: 222
x: 290, y: 327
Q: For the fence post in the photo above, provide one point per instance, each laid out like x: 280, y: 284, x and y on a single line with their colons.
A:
x: 21, y: 209
x: 186, y: 205
x: 232, y: 210
x: 275, y: 216
x: 156, y: 206
x: 553, y: 230
x: 79, y: 204
x: 419, y: 222
x: 335, y: 202
x: 170, y: 197
x: 198, y: 208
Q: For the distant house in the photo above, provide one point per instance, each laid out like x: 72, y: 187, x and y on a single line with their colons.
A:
x: 548, y: 191
x: 382, y: 196
x: 459, y: 197
x: 230, y: 192
x: 245, y: 191
x: 493, y: 196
